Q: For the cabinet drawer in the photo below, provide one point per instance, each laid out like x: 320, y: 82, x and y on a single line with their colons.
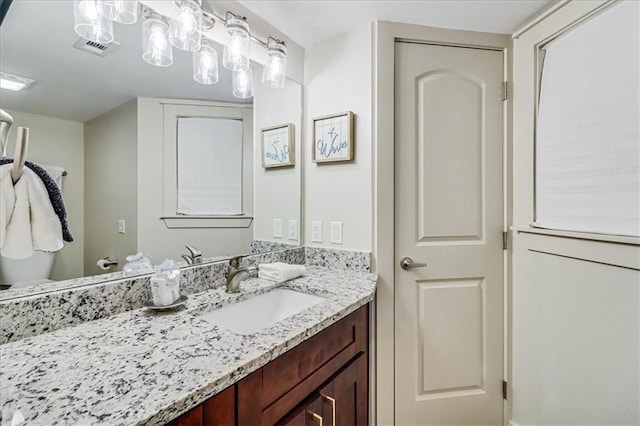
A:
x: 286, y: 371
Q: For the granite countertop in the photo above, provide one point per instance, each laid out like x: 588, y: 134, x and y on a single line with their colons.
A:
x: 146, y: 367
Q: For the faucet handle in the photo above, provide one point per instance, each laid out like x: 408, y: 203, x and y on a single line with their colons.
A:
x: 194, y: 251
x: 235, y: 261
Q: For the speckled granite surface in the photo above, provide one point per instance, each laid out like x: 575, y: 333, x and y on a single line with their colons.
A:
x: 338, y: 258
x: 261, y: 246
x: 141, y: 367
x: 34, y: 314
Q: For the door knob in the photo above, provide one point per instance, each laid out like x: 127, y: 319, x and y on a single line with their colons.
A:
x: 407, y: 263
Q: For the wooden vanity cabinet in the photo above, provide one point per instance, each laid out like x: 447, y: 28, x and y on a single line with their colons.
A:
x: 324, y: 381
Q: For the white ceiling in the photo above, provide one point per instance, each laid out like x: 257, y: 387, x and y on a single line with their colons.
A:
x: 309, y: 22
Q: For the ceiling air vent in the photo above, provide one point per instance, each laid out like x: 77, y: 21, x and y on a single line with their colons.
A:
x: 92, y: 47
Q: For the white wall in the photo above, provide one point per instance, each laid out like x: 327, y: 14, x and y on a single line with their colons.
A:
x: 277, y: 191
x: 110, y: 186
x: 576, y: 298
x: 59, y: 143
x: 338, y: 78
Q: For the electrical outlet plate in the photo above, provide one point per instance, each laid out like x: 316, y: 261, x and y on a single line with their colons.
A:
x: 316, y: 231
x: 277, y: 228
x: 292, y: 229
x: 336, y: 232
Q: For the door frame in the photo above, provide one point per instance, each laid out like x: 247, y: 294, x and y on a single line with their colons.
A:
x: 385, y: 34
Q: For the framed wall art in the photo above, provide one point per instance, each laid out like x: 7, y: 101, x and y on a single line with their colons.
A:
x: 278, y: 146
x: 333, y: 138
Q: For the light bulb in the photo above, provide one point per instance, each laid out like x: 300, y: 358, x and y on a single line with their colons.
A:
x: 235, y: 49
x: 157, y: 42
x: 205, y: 64
x: 89, y: 24
x: 274, y: 71
x: 89, y: 10
x: 187, y: 20
x: 243, y: 83
x: 122, y: 11
x: 156, y: 48
x: 184, y: 31
x: 236, y: 53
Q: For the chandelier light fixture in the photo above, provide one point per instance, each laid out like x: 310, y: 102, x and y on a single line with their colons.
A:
x: 186, y: 29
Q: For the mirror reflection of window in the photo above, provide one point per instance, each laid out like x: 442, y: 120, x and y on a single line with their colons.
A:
x: 209, y: 166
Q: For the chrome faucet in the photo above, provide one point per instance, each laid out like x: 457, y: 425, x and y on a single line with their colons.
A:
x: 194, y: 256
x: 235, y: 274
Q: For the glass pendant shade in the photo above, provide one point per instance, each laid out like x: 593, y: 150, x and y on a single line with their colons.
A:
x: 122, y: 11
x: 156, y: 48
x: 274, y: 71
x: 236, y: 53
x: 243, y: 83
x: 90, y: 24
x: 205, y: 63
x: 184, y: 30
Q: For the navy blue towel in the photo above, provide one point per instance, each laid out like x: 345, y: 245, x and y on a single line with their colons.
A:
x: 55, y: 196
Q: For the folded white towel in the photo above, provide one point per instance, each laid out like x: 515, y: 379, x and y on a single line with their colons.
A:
x: 27, y: 219
x: 280, y: 272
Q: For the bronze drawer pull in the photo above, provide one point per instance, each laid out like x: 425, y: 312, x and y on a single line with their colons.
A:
x: 332, y: 401
x: 316, y: 417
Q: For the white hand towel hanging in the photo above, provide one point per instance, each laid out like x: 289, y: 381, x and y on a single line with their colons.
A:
x: 280, y: 272
x: 28, y: 221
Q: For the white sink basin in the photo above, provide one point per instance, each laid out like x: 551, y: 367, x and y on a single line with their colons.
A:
x: 257, y: 313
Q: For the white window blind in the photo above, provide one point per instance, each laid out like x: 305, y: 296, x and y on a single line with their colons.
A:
x: 588, y: 127
x: 209, y: 166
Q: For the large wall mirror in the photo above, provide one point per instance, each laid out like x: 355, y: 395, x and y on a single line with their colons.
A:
x: 149, y: 159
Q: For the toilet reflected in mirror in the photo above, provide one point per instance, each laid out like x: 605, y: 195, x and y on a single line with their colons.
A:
x: 35, y: 269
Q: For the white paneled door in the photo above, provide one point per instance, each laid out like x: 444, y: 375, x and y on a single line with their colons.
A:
x: 448, y: 215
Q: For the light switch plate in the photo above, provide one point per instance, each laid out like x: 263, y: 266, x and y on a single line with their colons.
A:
x: 316, y: 231
x: 122, y: 226
x: 336, y: 232
x: 277, y: 228
x: 293, y: 229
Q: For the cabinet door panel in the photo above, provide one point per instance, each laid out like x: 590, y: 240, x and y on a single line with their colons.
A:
x: 221, y: 409
x: 190, y: 418
x: 345, y: 397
